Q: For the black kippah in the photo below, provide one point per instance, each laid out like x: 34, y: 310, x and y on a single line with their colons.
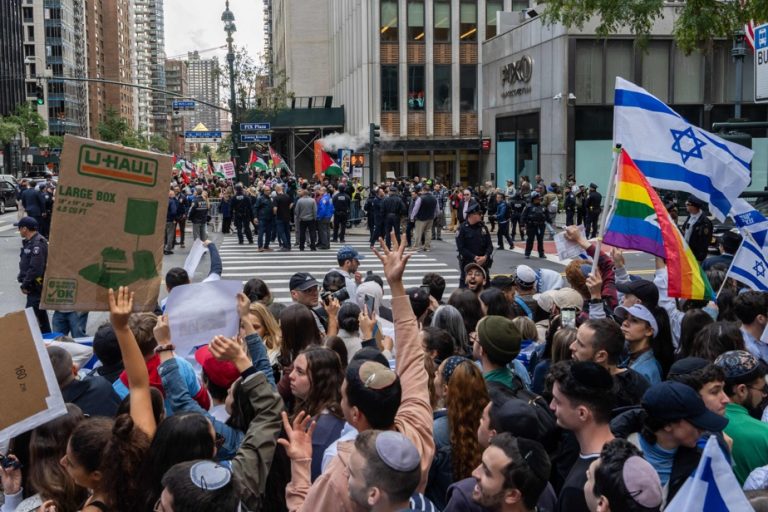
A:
x: 591, y: 375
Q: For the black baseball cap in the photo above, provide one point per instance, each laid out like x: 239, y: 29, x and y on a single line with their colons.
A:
x: 27, y: 222
x: 473, y: 207
x: 673, y: 401
x: 302, y: 281
x: 643, y: 289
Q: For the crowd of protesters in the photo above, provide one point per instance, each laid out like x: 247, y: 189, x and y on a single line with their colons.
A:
x: 520, y: 392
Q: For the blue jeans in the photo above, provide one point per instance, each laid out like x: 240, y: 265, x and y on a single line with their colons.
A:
x: 70, y: 323
x: 265, y: 230
x: 283, y: 229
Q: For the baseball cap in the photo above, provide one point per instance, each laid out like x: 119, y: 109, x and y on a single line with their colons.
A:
x: 643, y: 289
x: 695, y: 201
x: 348, y: 253
x: 475, y: 265
x: 673, y: 401
x: 567, y: 298
x: 535, y: 194
x: 27, y: 222
x: 473, y: 207
x: 638, y: 311
x: 302, y: 281
x: 221, y: 373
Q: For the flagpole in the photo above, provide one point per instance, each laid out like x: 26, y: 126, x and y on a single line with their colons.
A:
x: 608, y: 201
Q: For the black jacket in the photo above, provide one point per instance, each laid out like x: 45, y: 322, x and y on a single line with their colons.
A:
x: 392, y: 206
x: 700, y: 237
x: 474, y: 240
x: 34, y: 255
x: 262, y: 208
x: 198, y: 210
x: 341, y: 203
x: 686, y: 459
x: 592, y: 203
x: 94, y: 395
x: 241, y: 207
x: 33, y: 202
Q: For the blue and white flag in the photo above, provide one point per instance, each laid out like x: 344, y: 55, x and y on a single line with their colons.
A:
x: 712, y: 487
x: 750, y: 266
x: 676, y: 155
x: 748, y: 219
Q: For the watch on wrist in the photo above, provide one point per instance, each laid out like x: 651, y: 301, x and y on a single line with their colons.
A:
x: 164, y: 348
x: 595, y: 301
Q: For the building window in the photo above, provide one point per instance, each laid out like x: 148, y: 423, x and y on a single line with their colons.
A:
x: 688, y: 77
x: 491, y: 17
x: 442, y: 32
x: 389, y: 83
x: 416, y: 21
x: 468, y: 20
x: 442, y: 88
x: 389, y: 20
x: 468, y: 87
x: 656, y: 69
x: 589, y: 72
x: 618, y: 62
x: 415, y: 87
x: 30, y: 33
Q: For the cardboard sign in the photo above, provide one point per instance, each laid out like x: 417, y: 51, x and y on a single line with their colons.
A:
x: 31, y: 395
x: 228, y: 169
x: 107, y: 226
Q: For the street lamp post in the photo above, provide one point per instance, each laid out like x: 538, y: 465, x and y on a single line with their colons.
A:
x: 229, y: 27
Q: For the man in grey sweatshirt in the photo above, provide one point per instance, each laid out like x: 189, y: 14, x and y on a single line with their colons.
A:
x: 305, y: 211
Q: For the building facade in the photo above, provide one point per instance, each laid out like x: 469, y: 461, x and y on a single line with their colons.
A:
x: 12, y: 48
x: 548, y: 96
x: 176, y: 79
x: 149, y: 54
x: 204, y: 84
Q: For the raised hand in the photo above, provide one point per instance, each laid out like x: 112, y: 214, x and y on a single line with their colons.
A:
x: 617, y: 255
x: 595, y: 284
x: 10, y: 477
x: 394, y: 261
x: 162, y: 330
x: 120, y: 307
x: 367, y: 321
x: 298, y: 446
x: 243, y: 305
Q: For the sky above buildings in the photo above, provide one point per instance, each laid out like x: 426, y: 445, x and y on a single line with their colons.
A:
x: 196, y: 25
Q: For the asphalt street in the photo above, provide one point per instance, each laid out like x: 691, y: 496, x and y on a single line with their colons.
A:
x: 244, y: 262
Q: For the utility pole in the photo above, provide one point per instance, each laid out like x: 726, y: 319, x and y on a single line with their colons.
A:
x: 229, y: 27
x: 738, y: 52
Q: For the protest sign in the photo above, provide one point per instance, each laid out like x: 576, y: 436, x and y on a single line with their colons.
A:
x: 107, y: 228
x: 567, y: 249
x: 228, y: 169
x: 193, y: 258
x: 197, y: 312
x: 31, y: 395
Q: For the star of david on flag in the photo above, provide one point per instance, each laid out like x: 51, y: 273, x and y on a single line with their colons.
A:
x: 676, y: 155
x: 750, y: 266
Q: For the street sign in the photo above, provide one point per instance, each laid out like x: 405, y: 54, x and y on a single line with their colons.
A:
x: 183, y: 104
x: 202, y: 137
x: 761, y: 63
x: 259, y: 137
x: 254, y: 127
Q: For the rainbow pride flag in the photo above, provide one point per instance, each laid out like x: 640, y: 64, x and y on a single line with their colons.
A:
x: 640, y: 221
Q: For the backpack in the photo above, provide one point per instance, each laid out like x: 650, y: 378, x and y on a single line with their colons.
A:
x: 553, y: 206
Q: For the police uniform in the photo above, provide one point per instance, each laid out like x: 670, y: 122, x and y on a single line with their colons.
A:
x: 243, y: 214
x: 33, y: 257
x: 535, y: 217
x: 517, y: 204
x: 592, y: 210
x: 699, y: 234
x: 473, y: 240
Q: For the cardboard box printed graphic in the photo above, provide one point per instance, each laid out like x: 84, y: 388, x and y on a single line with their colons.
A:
x: 107, y: 227
x: 30, y: 394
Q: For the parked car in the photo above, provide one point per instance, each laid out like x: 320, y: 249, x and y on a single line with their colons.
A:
x: 7, y: 195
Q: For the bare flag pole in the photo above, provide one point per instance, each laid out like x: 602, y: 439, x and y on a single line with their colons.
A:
x: 609, y: 199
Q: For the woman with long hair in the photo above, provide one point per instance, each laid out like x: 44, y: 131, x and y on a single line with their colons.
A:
x: 494, y: 302
x: 651, y: 352
x: 267, y: 327
x: 316, y: 384
x: 556, y: 349
x: 715, y: 339
x: 46, y: 479
x: 693, y: 321
x: 257, y: 291
x: 299, y: 330
x: 459, y: 382
x: 349, y: 328
x: 449, y: 318
x: 468, y: 305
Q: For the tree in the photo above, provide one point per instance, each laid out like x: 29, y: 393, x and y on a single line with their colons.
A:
x: 697, y: 24
x: 30, y: 124
x: 51, y: 141
x: 224, y: 148
x: 159, y: 144
x: 113, y: 128
x: 8, y: 131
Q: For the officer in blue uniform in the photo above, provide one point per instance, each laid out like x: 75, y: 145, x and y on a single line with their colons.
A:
x: 474, y: 242
x: 34, y: 255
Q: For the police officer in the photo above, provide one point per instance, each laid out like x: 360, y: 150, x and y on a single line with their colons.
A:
x: 474, y: 242
x: 570, y: 204
x: 517, y: 204
x: 45, y: 225
x: 243, y: 214
x: 535, y: 217
x: 592, y: 210
x: 392, y: 210
x: 697, y: 228
x: 34, y: 255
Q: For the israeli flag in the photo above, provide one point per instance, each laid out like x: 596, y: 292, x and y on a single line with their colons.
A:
x: 749, y: 265
x: 712, y: 487
x: 748, y: 219
x: 675, y: 155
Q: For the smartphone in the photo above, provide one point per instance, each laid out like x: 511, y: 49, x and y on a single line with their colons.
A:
x: 568, y: 317
x: 370, y: 302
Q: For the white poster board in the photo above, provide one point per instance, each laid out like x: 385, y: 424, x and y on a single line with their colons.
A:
x: 228, y: 169
x: 199, y: 311
x: 194, y: 257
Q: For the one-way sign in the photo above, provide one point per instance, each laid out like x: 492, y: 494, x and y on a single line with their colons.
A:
x: 254, y: 127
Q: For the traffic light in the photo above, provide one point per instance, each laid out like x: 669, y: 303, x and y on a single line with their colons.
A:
x: 375, y: 134
x: 40, y: 95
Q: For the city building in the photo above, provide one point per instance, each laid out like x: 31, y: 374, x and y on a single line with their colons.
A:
x: 109, y: 58
x: 153, y: 115
x: 12, y: 48
x: 548, y: 95
x: 176, y: 80
x: 204, y: 83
